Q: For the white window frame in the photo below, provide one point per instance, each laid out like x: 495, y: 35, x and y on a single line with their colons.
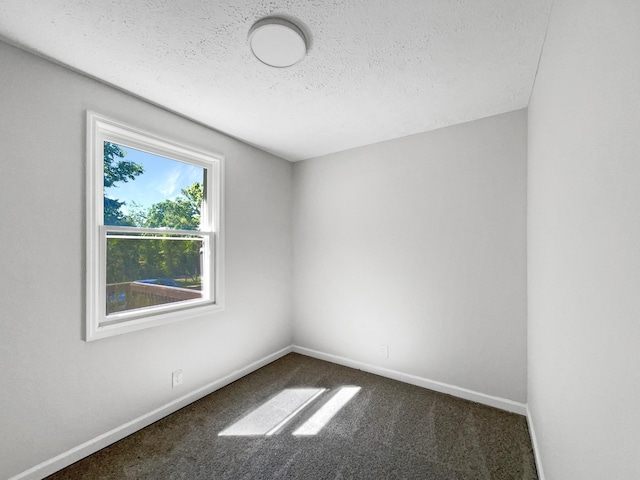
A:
x: 98, y: 324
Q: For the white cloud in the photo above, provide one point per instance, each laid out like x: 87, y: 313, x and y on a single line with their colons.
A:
x: 180, y: 176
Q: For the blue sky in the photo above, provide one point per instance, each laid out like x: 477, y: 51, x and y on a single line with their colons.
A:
x: 163, y: 179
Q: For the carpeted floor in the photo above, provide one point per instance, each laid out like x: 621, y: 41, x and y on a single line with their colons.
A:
x: 383, y: 430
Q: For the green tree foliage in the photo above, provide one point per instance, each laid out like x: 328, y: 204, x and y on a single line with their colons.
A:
x: 176, y: 214
x: 116, y: 169
x: 183, y: 213
x: 195, y: 196
x: 178, y: 258
x: 137, y: 214
x: 130, y: 260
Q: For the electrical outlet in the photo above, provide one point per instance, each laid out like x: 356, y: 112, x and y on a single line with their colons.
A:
x: 384, y: 351
x: 176, y: 378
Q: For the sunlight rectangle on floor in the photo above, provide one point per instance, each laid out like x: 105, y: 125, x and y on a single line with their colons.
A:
x: 272, y: 415
x: 319, y: 419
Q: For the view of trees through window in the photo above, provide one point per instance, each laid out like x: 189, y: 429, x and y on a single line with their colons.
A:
x: 145, y: 268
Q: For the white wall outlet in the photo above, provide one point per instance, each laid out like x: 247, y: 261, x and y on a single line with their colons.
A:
x: 176, y: 378
x: 383, y: 350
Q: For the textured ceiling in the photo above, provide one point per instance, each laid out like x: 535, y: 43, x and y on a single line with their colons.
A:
x: 375, y: 69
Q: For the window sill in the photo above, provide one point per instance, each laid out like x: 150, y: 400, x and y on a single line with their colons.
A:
x: 128, y: 324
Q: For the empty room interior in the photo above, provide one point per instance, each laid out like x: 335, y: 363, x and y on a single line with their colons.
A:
x: 397, y: 205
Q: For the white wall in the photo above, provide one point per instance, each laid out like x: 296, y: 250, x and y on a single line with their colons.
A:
x: 584, y: 243
x: 56, y: 390
x: 419, y: 244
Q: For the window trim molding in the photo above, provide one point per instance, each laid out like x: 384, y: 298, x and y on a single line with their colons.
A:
x: 96, y: 326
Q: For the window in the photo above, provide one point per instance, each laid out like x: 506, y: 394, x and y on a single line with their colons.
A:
x: 154, y: 224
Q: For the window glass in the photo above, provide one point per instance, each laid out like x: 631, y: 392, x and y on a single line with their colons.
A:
x: 146, y: 270
x: 146, y: 190
x: 153, y: 192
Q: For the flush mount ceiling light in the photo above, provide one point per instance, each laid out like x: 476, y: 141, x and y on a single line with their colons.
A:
x: 277, y: 42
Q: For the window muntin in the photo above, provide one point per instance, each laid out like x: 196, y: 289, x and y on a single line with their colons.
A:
x: 154, y: 244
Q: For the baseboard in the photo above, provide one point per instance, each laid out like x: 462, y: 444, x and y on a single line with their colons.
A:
x: 77, y: 453
x: 497, y: 402
x: 534, y: 444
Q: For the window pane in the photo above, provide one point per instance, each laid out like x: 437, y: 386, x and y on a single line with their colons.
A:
x: 146, y: 190
x: 143, y: 272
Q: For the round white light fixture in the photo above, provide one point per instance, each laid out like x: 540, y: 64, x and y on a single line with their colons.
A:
x: 277, y: 42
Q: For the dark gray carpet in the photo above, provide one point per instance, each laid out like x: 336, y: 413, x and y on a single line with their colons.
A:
x: 387, y: 430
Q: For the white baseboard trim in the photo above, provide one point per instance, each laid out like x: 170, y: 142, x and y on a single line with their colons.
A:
x: 497, y: 402
x: 77, y: 453
x: 534, y: 444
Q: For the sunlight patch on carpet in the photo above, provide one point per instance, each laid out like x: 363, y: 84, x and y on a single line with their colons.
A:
x: 274, y: 414
x: 319, y: 419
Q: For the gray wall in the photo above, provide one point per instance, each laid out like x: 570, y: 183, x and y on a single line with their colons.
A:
x: 584, y: 243
x: 58, y: 391
x: 419, y: 243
